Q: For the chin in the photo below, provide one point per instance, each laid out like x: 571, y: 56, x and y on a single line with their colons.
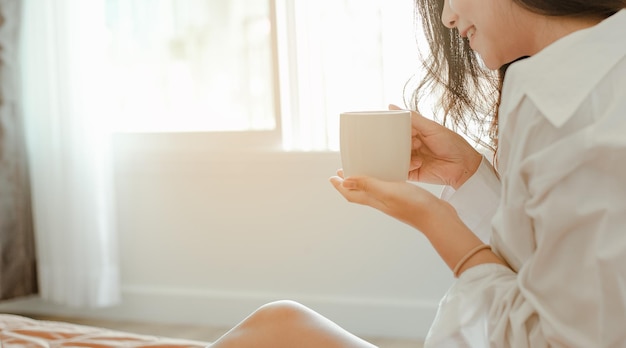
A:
x: 492, y: 64
x: 489, y: 63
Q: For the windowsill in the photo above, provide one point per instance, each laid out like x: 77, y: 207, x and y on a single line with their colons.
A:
x: 200, y: 146
x: 199, y: 141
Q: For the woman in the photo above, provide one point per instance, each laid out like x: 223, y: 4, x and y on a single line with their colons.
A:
x: 554, y: 271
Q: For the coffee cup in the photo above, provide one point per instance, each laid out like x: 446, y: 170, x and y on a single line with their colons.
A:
x: 376, y: 144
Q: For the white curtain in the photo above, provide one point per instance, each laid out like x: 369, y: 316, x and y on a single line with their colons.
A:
x: 65, y: 109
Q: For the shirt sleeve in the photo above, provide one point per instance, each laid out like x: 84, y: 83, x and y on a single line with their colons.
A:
x: 483, y: 297
x: 477, y: 199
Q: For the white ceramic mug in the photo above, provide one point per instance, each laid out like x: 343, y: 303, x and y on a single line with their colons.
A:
x: 376, y: 144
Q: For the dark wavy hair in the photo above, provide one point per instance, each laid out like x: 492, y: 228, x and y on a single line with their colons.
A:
x: 467, y: 93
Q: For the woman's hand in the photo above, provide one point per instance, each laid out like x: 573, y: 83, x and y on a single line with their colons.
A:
x: 417, y: 207
x: 404, y: 201
x: 439, y: 155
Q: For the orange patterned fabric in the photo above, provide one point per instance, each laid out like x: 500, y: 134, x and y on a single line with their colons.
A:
x: 17, y: 331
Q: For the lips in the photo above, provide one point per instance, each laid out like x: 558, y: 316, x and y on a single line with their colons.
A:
x: 469, y: 33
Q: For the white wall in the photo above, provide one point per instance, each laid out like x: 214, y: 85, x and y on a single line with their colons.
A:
x: 207, y: 235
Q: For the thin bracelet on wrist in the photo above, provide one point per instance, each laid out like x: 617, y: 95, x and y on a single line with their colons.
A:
x: 468, y: 256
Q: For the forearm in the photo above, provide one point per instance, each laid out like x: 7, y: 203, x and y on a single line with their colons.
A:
x: 453, y: 240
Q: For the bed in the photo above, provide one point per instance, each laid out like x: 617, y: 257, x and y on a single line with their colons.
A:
x: 18, y: 331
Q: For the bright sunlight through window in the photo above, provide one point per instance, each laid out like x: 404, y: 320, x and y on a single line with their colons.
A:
x: 257, y: 65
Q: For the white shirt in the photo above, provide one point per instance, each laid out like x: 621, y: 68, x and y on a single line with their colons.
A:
x: 558, y: 216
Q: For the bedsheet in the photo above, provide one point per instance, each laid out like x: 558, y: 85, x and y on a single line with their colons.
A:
x: 18, y: 331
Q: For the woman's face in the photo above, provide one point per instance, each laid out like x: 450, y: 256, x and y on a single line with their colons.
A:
x: 494, y: 28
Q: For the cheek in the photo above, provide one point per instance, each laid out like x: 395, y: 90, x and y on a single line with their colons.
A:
x: 460, y: 7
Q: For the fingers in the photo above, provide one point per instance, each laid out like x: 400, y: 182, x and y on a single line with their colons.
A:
x: 399, y: 200
x: 357, y: 190
x: 416, y: 143
x: 416, y: 163
x: 362, y: 190
x: 357, y: 183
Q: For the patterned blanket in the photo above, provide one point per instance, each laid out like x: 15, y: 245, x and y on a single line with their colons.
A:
x: 18, y: 331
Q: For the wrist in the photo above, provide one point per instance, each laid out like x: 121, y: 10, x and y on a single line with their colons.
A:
x: 457, y: 245
x: 469, y: 167
x: 465, y: 259
x: 481, y: 257
x: 441, y: 216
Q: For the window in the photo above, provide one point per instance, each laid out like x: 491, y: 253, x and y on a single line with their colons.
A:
x: 289, y: 66
x: 192, y: 64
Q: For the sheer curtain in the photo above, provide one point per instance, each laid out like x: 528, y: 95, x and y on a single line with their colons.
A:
x: 18, y: 276
x: 339, y: 55
x: 65, y: 110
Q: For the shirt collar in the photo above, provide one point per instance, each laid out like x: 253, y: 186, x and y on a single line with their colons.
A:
x: 558, y: 78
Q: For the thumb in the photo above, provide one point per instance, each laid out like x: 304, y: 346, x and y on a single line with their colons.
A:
x: 418, y: 121
x: 396, y: 107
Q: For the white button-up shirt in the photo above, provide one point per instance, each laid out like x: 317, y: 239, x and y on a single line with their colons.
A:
x: 558, y: 214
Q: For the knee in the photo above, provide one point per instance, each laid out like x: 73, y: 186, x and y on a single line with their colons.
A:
x: 281, y: 314
x: 271, y: 325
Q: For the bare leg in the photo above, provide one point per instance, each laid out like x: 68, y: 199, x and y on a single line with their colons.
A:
x: 288, y: 324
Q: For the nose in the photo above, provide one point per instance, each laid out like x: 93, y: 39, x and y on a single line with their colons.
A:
x: 448, y: 16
